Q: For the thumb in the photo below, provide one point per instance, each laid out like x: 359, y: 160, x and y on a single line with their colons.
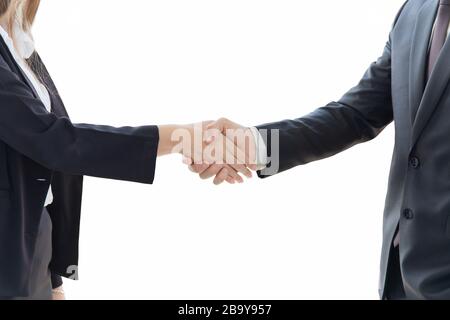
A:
x: 215, y: 128
x: 223, y: 124
x: 217, y: 125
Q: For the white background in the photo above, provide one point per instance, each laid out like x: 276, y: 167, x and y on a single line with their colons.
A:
x: 311, y: 233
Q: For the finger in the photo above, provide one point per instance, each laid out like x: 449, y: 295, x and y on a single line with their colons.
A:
x: 247, y: 152
x: 207, y: 123
x: 242, y: 144
x: 234, y: 174
x: 224, y: 153
x: 236, y: 156
x: 188, y: 161
x: 243, y: 170
x: 221, y: 177
x: 233, y: 150
x: 230, y: 180
x: 234, y: 163
x: 198, y: 168
x: 223, y: 124
x: 212, y: 171
x: 219, y: 125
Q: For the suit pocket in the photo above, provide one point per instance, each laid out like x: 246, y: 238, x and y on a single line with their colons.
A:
x: 4, y: 176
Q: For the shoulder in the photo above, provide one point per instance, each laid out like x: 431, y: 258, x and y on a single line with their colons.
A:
x: 410, y: 10
x: 416, y: 5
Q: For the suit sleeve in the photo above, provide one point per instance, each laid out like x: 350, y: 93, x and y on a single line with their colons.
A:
x: 359, y: 116
x: 127, y: 153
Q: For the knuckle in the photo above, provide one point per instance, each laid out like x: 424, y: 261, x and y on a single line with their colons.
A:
x: 223, y: 120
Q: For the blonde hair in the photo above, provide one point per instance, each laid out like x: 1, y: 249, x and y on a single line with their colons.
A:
x: 24, y: 11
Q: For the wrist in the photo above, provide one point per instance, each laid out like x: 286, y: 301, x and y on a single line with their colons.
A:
x: 174, y: 138
x: 167, y: 142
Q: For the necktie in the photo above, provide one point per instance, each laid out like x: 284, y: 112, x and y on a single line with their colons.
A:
x: 440, y: 34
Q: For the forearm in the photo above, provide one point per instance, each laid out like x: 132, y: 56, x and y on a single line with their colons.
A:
x: 319, y: 135
x: 359, y: 116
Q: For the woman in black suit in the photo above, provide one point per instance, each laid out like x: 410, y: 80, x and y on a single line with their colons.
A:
x: 43, y: 157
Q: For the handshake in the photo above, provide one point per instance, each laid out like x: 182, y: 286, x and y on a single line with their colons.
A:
x: 222, y: 149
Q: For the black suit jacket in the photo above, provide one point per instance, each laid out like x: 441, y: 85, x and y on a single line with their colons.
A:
x: 418, y: 199
x: 39, y: 149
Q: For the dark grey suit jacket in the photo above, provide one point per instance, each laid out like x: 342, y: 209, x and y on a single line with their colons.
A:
x: 394, y: 89
x: 39, y: 149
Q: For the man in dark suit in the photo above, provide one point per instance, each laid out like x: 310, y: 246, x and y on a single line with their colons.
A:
x: 408, y: 84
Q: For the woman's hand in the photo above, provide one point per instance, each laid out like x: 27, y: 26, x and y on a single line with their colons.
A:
x: 184, y: 139
x: 194, y: 142
x: 58, y: 294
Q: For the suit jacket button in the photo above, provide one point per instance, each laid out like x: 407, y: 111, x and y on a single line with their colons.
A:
x: 408, y: 214
x: 414, y: 162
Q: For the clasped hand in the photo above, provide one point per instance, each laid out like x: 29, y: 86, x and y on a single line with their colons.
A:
x: 220, y: 149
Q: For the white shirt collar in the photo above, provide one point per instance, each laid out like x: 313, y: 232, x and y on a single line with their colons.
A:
x: 25, y: 43
x: 6, y: 37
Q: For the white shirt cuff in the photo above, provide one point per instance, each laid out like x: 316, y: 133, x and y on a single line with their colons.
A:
x: 261, y: 149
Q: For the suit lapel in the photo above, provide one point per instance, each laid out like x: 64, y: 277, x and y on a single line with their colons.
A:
x: 39, y: 68
x: 419, y: 54
x: 6, y: 54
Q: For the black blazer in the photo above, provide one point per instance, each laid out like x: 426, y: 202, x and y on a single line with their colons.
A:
x: 39, y: 149
x: 418, y: 198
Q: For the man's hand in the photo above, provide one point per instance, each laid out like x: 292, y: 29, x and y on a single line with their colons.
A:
x: 239, y: 143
